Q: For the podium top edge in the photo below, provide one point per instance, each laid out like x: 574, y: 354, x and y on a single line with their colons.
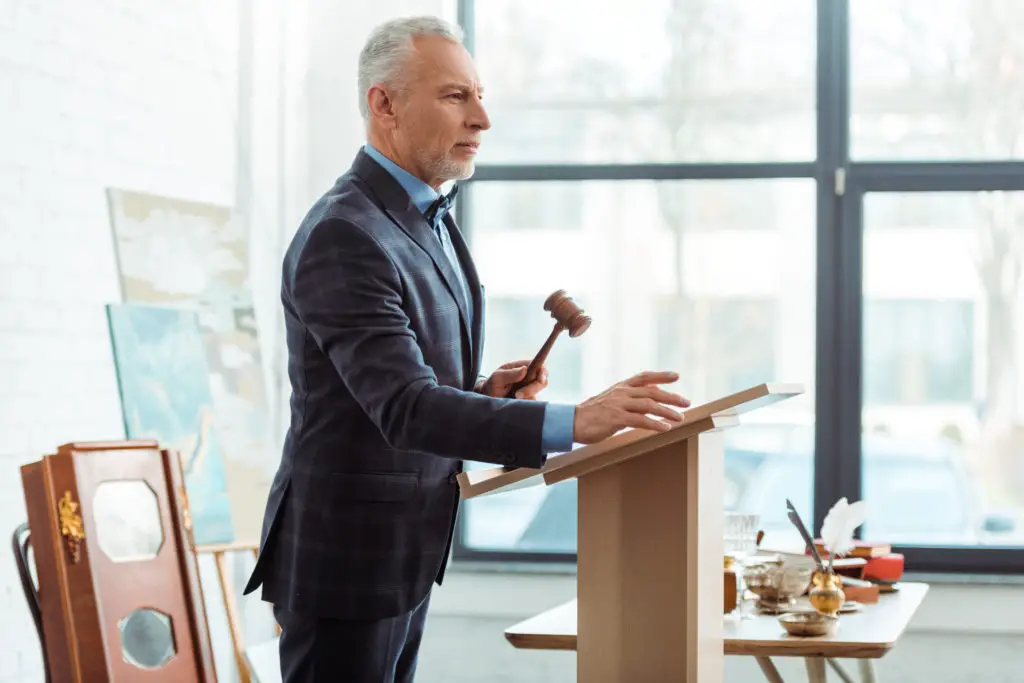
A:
x: 722, y: 412
x: 789, y: 388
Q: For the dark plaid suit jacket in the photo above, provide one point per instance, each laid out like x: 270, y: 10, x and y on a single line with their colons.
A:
x: 382, y: 358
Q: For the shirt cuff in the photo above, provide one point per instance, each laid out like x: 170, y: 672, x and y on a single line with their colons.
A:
x: 559, y: 420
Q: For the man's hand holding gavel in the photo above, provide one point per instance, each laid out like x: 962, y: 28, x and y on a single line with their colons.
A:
x: 629, y: 403
x: 508, y: 375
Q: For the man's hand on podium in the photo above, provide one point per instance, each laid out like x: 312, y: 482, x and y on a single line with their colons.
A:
x: 629, y: 403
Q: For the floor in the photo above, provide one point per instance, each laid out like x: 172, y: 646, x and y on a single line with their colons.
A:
x: 464, y: 641
x: 469, y: 649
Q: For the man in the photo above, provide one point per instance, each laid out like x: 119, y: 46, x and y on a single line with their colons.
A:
x: 384, y: 316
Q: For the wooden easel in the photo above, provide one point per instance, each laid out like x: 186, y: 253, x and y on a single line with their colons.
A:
x: 220, y: 553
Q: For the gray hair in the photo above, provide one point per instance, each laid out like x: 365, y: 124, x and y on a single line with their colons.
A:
x: 389, y: 45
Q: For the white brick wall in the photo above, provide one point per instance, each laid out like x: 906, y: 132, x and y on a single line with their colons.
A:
x: 142, y: 95
x: 92, y: 94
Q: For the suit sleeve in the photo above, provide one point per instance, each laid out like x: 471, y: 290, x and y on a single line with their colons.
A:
x: 347, y: 292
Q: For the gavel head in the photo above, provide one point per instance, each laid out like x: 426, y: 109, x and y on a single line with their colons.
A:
x: 564, y: 310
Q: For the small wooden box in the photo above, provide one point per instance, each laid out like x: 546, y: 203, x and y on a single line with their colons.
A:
x: 730, y: 590
x: 119, y: 584
x: 859, y: 590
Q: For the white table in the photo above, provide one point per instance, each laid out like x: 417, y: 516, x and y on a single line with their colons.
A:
x: 865, y: 635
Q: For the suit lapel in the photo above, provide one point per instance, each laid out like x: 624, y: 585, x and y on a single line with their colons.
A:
x: 415, y: 225
x: 473, y: 285
x: 404, y: 213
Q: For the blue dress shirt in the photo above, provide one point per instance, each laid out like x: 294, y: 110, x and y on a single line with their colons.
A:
x: 559, y: 418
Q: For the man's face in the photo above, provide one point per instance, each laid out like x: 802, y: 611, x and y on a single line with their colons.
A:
x: 438, y: 115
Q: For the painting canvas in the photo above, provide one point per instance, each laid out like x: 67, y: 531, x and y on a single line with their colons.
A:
x: 165, y: 395
x: 192, y: 255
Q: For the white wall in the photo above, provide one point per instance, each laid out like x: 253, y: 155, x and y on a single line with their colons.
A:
x: 144, y: 96
x: 93, y: 95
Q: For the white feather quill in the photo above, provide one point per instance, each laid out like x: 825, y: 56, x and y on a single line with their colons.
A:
x: 840, y: 523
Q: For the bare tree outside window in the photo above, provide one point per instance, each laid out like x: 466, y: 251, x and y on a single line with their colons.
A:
x: 945, y: 81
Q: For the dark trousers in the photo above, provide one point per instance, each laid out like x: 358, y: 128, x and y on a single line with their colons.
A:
x: 318, y: 650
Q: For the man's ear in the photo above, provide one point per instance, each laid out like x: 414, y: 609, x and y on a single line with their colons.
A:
x: 381, y: 105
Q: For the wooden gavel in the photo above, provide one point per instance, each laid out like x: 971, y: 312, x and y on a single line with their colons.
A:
x: 568, y: 316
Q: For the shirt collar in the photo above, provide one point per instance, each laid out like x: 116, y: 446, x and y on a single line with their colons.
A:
x: 420, y: 193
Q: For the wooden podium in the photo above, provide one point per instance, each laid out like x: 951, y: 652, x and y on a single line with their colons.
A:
x: 650, y: 542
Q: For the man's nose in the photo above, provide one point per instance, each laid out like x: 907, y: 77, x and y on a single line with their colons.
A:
x: 478, y: 118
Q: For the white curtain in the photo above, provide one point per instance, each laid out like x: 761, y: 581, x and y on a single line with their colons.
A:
x: 298, y: 130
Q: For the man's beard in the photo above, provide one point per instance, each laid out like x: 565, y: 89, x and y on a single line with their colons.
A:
x: 447, y: 168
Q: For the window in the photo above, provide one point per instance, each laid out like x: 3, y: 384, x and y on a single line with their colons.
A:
x: 526, y: 207
x: 647, y: 80
x: 737, y: 351
x: 713, y: 206
x: 921, y: 210
x: 936, y: 80
x: 919, y: 352
x: 728, y: 306
x: 706, y: 177
x: 943, y: 375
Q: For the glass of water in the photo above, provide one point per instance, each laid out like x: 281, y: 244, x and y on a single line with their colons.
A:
x: 740, y: 543
x: 741, y: 534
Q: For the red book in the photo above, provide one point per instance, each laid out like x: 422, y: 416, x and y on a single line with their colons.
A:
x: 887, y: 568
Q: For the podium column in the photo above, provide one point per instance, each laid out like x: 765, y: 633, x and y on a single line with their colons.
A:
x: 650, y: 580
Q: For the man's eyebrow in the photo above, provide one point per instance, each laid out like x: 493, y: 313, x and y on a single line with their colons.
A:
x: 461, y: 87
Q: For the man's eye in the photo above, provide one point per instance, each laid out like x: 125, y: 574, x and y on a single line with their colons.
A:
x: 457, y: 95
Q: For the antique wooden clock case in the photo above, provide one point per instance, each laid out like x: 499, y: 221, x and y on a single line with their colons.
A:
x: 119, y: 588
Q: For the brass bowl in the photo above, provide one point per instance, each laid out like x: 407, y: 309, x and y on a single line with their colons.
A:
x: 809, y: 624
x: 776, y: 583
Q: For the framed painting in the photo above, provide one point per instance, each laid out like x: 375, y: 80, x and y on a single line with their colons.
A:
x: 209, y: 274
x: 165, y: 396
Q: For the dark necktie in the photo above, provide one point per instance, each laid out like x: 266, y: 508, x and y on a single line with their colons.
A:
x: 438, y: 208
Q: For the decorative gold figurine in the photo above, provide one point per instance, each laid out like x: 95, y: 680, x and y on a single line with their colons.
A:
x: 826, y: 594
x: 186, y: 516
x: 71, y: 526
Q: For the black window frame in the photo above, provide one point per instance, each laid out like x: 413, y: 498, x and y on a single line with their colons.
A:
x: 841, y: 185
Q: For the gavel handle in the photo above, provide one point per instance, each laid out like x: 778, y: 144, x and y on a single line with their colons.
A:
x: 538, y: 361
